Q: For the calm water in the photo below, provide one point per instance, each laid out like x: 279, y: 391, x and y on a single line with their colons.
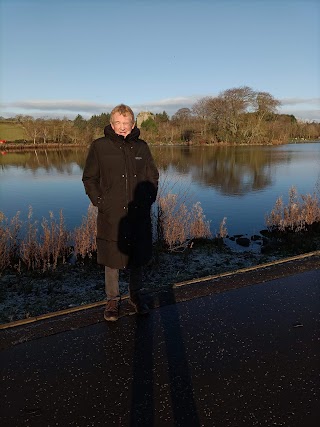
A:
x: 240, y: 183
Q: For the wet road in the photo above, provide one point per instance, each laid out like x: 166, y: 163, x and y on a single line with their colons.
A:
x: 244, y: 357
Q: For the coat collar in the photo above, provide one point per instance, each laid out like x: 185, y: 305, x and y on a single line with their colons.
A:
x: 133, y: 135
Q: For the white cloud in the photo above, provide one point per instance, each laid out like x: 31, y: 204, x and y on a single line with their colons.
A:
x: 298, y: 101
x: 61, y: 105
x: 307, y: 109
x: 70, y: 108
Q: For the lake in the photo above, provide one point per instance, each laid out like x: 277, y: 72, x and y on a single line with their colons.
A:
x: 240, y: 183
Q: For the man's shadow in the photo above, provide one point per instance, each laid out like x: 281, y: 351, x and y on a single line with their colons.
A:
x: 137, y: 225
x: 183, y: 405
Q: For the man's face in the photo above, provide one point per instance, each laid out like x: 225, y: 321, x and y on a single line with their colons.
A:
x: 122, y: 125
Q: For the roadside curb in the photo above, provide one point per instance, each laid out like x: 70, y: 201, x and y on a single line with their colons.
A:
x: 176, y: 286
x: 248, y: 269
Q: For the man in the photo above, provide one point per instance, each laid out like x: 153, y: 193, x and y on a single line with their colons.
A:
x: 121, y: 179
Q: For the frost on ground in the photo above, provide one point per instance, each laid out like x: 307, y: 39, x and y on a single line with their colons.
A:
x: 29, y: 295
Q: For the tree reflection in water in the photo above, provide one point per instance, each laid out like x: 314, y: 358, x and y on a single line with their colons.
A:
x: 239, y: 182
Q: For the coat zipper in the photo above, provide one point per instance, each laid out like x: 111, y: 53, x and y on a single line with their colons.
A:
x: 126, y: 176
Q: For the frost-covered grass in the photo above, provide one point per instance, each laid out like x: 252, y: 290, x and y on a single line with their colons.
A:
x: 32, y: 294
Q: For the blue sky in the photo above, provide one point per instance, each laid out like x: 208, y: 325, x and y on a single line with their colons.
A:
x: 68, y: 57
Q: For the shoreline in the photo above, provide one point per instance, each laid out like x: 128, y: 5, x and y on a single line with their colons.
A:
x: 12, y: 146
x: 31, y: 294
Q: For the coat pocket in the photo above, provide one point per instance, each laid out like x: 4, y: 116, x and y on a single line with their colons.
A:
x: 104, y: 205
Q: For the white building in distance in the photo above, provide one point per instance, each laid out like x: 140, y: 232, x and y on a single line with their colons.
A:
x: 143, y: 116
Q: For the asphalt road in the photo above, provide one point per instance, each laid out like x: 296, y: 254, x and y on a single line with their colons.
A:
x: 248, y: 356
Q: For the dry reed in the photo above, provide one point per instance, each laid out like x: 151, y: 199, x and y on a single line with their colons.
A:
x: 42, y: 248
x: 29, y: 246
x: 177, y: 226
x: 223, y: 232
x: 33, y: 250
x: 54, y: 243
x: 8, y: 239
x: 85, y: 236
x: 297, y: 215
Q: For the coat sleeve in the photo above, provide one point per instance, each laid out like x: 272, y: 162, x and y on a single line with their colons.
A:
x: 91, y: 176
x: 152, y: 176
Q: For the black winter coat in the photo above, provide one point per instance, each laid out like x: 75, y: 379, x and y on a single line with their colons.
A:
x: 121, y: 179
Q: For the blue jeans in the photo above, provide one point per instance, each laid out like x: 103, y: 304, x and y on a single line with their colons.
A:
x: 112, y: 282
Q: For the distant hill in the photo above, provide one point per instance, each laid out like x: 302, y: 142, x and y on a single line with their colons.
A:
x: 11, y: 131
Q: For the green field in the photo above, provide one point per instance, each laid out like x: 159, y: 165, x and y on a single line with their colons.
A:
x: 11, y: 131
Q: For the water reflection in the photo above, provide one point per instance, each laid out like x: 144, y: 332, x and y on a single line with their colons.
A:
x: 48, y: 160
x: 241, y: 183
x: 230, y: 170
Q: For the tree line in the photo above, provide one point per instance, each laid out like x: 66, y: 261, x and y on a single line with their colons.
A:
x: 236, y: 116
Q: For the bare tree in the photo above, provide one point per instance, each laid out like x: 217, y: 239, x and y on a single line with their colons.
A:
x: 45, y: 127
x: 182, y: 115
x: 237, y: 101
x: 265, y: 103
x: 30, y: 125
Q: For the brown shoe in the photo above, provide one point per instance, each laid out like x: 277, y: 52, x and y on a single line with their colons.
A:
x: 111, y: 312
